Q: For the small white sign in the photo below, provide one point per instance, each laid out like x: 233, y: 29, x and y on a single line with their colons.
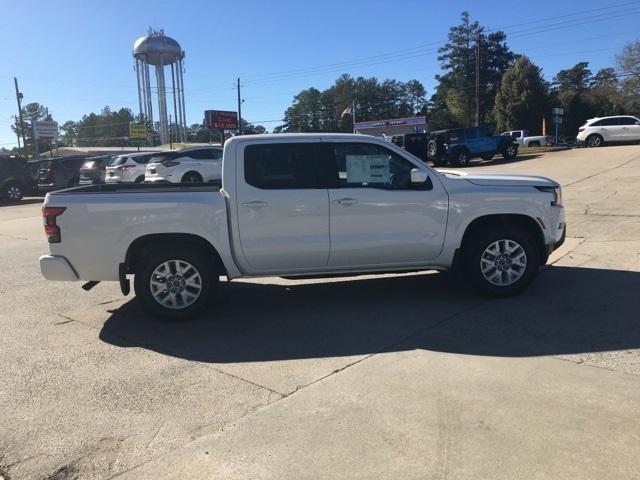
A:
x: 557, y: 111
x: 45, y: 129
x: 368, y: 169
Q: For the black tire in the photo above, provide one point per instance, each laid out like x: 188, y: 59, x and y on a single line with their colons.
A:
x: 535, y: 143
x: 191, y: 177
x: 197, y: 260
x: 140, y: 179
x: 475, y: 256
x: 510, y: 151
x: 461, y: 157
x: 438, y: 162
x: 12, y: 192
x: 594, y: 140
x: 74, y: 182
x: 487, y: 156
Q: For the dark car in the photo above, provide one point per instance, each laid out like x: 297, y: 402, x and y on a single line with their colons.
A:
x: 15, y: 178
x: 61, y: 172
x: 93, y: 170
x: 459, y: 145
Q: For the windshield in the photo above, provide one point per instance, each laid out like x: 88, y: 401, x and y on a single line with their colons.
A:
x: 119, y: 160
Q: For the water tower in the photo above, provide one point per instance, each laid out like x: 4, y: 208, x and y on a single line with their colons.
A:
x: 158, y: 50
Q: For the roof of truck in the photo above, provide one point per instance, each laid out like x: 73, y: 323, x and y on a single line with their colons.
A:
x: 271, y: 136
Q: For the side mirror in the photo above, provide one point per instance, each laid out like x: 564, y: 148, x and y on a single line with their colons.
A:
x: 418, y: 176
x: 637, y: 123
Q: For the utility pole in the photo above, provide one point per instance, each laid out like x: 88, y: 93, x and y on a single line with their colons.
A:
x: 239, y: 109
x: 170, y: 134
x: 478, y: 80
x: 15, y: 119
x: 19, y: 97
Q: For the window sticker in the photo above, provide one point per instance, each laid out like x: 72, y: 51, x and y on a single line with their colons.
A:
x: 368, y: 169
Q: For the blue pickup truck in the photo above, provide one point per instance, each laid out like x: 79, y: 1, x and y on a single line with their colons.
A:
x: 458, y: 146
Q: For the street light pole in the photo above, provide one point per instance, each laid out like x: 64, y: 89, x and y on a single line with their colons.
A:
x: 19, y: 97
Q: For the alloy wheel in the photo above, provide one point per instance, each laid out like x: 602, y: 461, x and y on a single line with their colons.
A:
x: 175, y: 284
x: 503, y: 262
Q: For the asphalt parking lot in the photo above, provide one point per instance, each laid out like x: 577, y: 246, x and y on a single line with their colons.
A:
x: 396, y: 376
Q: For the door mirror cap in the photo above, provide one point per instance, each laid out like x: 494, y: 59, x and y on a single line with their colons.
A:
x: 418, y: 176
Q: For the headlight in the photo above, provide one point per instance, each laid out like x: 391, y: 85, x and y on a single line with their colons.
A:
x: 555, y: 191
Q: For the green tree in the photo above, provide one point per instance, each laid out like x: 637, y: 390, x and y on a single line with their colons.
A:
x: 33, y: 112
x: 571, y: 92
x: 458, y: 57
x: 522, y: 99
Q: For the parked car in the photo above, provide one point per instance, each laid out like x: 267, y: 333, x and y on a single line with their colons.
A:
x: 15, y: 178
x: 187, y: 165
x: 600, y: 130
x: 93, y: 170
x: 128, y: 168
x: 525, y: 140
x: 459, y: 145
x: 300, y: 205
x: 60, y: 172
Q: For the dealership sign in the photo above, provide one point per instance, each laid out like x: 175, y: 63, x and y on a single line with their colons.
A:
x: 137, y: 130
x: 221, y: 120
x: 46, y: 129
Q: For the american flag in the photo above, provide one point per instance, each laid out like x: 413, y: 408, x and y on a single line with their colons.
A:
x: 347, y: 111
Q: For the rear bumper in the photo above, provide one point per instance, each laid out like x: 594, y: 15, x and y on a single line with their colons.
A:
x: 57, y: 269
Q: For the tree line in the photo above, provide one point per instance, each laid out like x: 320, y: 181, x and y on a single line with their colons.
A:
x: 512, y: 92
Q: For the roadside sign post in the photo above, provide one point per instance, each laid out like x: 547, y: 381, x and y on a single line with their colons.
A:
x: 557, y: 120
x: 44, y: 130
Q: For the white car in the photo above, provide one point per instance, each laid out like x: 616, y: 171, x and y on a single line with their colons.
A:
x: 300, y: 205
x: 600, y: 130
x: 525, y: 140
x: 187, y: 165
x: 128, y: 168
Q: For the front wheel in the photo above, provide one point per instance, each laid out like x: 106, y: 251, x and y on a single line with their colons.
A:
x: 510, y: 152
x: 176, y: 283
x: 502, y: 263
x: 462, y: 158
x: 192, y: 177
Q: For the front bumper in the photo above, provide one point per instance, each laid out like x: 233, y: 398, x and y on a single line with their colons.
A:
x: 57, y: 269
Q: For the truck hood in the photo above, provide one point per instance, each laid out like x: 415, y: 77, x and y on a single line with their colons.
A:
x: 497, y: 179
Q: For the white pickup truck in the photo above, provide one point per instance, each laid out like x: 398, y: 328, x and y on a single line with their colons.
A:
x: 525, y: 140
x: 301, y: 205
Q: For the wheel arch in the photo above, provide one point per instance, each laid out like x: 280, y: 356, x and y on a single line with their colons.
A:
x: 142, y: 245
x: 505, y: 220
x: 192, y: 172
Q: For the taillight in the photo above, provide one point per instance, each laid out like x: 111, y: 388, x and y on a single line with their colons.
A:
x: 170, y: 163
x: 51, y: 229
x: 124, y: 168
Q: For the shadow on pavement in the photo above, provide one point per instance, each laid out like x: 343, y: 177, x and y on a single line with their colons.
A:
x: 24, y: 201
x: 567, y: 310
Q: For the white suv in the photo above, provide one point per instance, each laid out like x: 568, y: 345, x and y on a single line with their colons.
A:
x: 187, y: 165
x: 596, y: 131
x: 127, y: 168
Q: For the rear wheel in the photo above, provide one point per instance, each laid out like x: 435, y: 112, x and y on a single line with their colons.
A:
x: 176, y: 283
x: 462, y: 158
x: 140, y: 179
x: 501, y: 263
x: 12, y: 192
x: 594, y: 140
x: 191, y: 177
x: 534, y: 144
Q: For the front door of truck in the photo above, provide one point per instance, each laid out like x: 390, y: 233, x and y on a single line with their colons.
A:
x: 377, y: 216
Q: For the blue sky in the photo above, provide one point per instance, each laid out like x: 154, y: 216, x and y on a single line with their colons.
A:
x: 75, y: 56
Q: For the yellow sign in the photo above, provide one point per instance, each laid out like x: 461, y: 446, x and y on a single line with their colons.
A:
x: 137, y: 130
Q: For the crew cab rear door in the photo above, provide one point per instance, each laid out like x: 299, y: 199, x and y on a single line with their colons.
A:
x: 378, y: 217
x: 282, y: 207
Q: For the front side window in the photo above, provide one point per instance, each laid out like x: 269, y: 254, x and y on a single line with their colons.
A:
x: 281, y: 166
x: 628, y: 121
x: 456, y: 135
x: 372, y: 166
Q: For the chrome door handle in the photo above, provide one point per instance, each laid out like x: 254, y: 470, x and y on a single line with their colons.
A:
x: 346, y: 202
x: 254, y: 204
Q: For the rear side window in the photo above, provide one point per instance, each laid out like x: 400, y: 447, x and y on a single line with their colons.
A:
x: 119, y: 160
x: 456, y: 136
x: 606, y: 122
x: 280, y: 166
x: 142, y: 159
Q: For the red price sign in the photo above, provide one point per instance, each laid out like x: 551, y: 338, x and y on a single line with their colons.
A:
x: 221, y: 119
